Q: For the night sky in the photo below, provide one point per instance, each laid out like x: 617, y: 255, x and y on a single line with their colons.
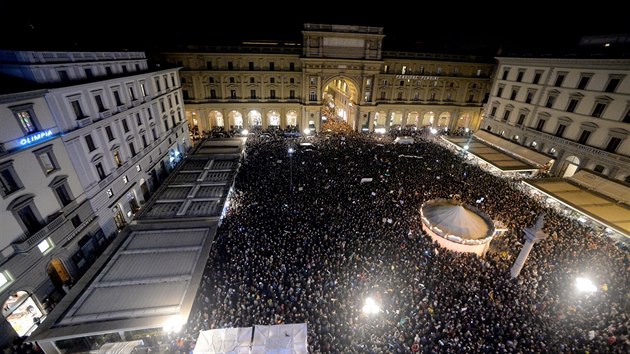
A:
x: 439, y: 27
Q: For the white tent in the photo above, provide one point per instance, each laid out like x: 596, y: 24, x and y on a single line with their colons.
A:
x: 224, y: 341
x: 280, y: 339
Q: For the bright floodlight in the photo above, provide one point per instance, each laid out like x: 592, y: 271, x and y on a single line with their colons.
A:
x: 379, y: 130
x: 370, y: 307
x: 585, y: 285
x: 244, y: 132
x: 174, y: 324
x: 291, y: 150
x: 307, y: 131
x: 433, y: 131
x: 466, y: 147
x: 466, y: 130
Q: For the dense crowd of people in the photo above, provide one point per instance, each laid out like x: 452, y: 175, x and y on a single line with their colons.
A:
x: 313, y: 253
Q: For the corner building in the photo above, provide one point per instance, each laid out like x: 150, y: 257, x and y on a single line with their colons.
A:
x: 340, y: 70
x: 81, y: 152
x: 576, y: 111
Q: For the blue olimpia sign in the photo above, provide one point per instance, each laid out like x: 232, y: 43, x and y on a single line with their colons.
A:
x: 30, y: 139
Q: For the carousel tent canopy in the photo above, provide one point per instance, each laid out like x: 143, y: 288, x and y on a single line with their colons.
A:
x: 455, y: 219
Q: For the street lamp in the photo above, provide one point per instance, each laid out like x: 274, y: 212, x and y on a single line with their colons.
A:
x: 291, y: 168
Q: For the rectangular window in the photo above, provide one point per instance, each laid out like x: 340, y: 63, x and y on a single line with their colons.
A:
x: 540, y: 125
x: 383, y: 95
x: 173, y: 80
x: 613, y: 144
x: 162, y: 106
x: 9, y: 181
x: 154, y: 132
x: 176, y: 97
x: 583, y: 82
x: 471, y: 98
x: 272, y: 94
x: 499, y: 91
x: 291, y: 80
x: 132, y: 93
x: 599, y: 109
x: 46, y: 160
x: 117, y: 98
x: 505, y: 74
x: 132, y: 149
x: 386, y: 69
x: 27, y: 123
x: 513, y: 95
x: 537, y: 77
x: 76, y: 221
x: 478, y: 72
x: 550, y: 101
x: 404, y: 70
x: 233, y: 94
x: 125, y: 125
x: 110, y: 134
x: 78, y: 111
x: 208, y: 65
x: 272, y: 66
x: 124, y: 68
x: 252, y: 80
x: 170, y: 102
x: 165, y: 81
x: 211, y: 80
x: 313, y: 80
x: 185, y: 94
x: 252, y: 94
x: 213, y: 94
x: 108, y: 70
x: 432, y: 96
x: 560, y: 130
x: 559, y: 79
x: 63, y: 195
x: 89, y: 73
x: 521, y: 119
x: 506, y: 116
x: 63, y: 75
x: 612, y: 85
x: 272, y: 80
x: 572, y: 105
x: 4, y: 279
x: 138, y: 119
x: 143, y: 89
x: 144, y: 141
x: 292, y: 94
x: 117, y: 159
x: 399, y: 96
x: 313, y: 96
x: 251, y: 65
x: 232, y: 80
x: 99, y: 103
x: 29, y: 219
x: 530, y: 97
x: 584, y: 137
x: 292, y: 66
x: 519, y: 76
x: 110, y: 193
x: 402, y: 83
x: 158, y: 87
x: 100, y: 171
x: 626, y: 118
x: 230, y: 65
x: 493, y: 112
x: 90, y: 143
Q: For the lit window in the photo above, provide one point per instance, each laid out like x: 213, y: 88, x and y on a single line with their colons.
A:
x: 46, y: 162
x: 138, y: 168
x: 125, y: 179
x: 45, y: 246
x: 4, y: 279
x: 110, y: 193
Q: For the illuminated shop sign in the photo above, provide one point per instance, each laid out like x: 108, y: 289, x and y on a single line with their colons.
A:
x: 30, y: 139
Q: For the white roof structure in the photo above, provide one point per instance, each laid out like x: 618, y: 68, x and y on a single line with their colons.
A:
x: 280, y: 339
x: 404, y: 140
x: 524, y: 153
x: 455, y: 219
x: 224, y: 341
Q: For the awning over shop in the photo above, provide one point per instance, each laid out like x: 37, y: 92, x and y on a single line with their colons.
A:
x: 509, y: 147
x: 611, y: 189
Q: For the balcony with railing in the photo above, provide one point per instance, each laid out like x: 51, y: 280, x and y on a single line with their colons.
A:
x: 59, y: 227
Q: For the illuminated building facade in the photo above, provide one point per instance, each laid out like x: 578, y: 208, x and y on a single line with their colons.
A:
x: 574, y: 110
x: 336, y: 70
x: 78, y: 156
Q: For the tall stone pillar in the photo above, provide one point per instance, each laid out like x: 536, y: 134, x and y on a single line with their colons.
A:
x: 532, y: 235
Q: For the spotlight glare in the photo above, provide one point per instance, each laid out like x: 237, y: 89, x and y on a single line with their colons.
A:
x: 244, y: 132
x: 370, y: 307
x: 585, y: 285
